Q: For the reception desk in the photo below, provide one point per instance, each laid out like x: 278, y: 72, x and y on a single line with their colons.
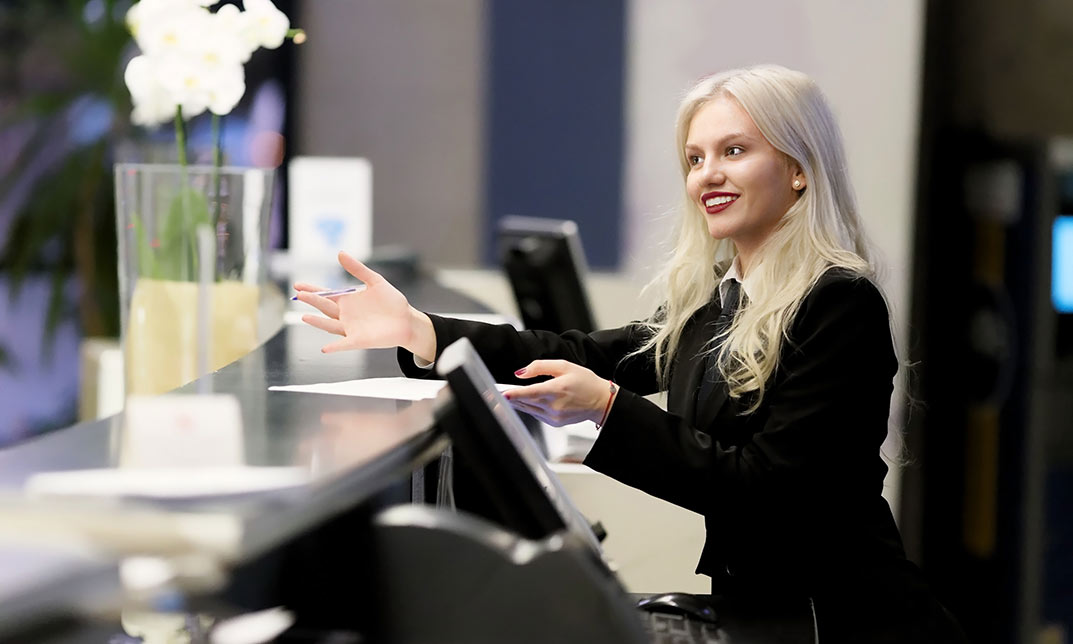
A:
x: 316, y: 544
x: 349, y: 449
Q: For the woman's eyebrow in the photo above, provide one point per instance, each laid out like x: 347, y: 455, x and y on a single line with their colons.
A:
x: 721, y: 142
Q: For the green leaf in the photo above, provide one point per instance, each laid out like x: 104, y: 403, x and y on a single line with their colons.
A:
x: 22, y: 164
x: 178, y: 237
x: 45, y: 221
x: 58, y: 310
x: 59, y: 203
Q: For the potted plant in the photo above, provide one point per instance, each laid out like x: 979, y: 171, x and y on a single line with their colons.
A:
x: 191, y: 61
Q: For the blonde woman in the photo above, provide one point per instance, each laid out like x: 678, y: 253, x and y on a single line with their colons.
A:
x: 773, y: 344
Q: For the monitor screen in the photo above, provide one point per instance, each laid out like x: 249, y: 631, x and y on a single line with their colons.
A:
x: 545, y: 264
x: 1062, y: 264
x: 523, y: 494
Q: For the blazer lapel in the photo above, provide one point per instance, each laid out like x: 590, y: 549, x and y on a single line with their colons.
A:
x: 694, y: 377
x: 709, y: 409
x: 688, y: 370
x: 703, y: 412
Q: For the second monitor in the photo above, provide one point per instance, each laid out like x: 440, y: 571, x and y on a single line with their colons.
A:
x: 545, y: 263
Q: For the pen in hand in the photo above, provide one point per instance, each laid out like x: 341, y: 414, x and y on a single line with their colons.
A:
x: 336, y: 292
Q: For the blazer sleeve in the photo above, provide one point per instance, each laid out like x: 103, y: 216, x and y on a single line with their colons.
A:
x: 826, y: 405
x: 504, y: 350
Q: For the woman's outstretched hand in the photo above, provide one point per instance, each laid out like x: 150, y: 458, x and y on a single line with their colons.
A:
x: 573, y: 394
x: 377, y: 317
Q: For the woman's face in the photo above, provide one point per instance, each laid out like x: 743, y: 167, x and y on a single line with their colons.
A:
x: 739, y: 181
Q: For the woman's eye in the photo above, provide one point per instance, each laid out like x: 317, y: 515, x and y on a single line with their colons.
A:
x: 693, y: 160
x: 735, y: 150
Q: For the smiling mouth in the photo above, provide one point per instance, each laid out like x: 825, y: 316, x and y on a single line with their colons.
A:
x: 717, y: 202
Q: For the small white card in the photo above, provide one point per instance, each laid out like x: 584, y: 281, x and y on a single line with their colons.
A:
x: 182, y: 430
x: 331, y: 208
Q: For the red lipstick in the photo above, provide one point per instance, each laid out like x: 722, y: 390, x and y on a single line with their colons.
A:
x: 719, y: 207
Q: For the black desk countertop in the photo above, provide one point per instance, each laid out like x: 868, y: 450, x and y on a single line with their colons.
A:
x: 351, y: 447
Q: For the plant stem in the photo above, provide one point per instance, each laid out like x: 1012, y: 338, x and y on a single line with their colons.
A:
x: 184, y: 194
x: 217, y: 163
x: 217, y: 147
x: 180, y: 137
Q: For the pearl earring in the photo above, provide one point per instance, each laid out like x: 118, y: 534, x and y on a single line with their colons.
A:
x: 797, y: 184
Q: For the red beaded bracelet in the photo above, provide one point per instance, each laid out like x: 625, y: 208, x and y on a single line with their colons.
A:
x: 612, y: 388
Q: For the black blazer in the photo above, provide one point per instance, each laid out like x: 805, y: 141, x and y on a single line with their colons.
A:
x: 790, y: 494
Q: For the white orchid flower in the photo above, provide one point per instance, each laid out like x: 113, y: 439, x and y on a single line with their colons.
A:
x: 226, y: 85
x: 146, y: 10
x: 153, y: 104
x: 266, y: 26
x: 226, y: 38
x: 188, y: 81
x: 218, y: 56
x: 160, y: 26
x: 176, y: 33
x: 192, y: 58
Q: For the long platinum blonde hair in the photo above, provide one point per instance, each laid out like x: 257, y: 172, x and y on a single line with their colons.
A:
x: 822, y: 229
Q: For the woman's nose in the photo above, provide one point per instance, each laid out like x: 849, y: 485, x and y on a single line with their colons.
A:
x: 712, y: 173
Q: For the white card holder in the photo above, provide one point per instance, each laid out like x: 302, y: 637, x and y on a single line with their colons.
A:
x: 181, y: 431
x: 330, y: 208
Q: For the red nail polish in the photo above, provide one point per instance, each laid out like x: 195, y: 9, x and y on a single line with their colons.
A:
x: 520, y: 371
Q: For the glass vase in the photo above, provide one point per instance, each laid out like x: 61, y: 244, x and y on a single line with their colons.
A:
x: 166, y: 279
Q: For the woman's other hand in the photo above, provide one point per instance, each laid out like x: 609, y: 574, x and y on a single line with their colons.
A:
x: 377, y: 317
x: 573, y: 394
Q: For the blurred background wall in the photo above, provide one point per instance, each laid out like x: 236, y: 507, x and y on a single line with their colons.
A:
x: 402, y: 84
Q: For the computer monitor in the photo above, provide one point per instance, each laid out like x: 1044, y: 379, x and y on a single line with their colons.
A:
x: 523, y: 494
x: 527, y: 499
x: 545, y: 264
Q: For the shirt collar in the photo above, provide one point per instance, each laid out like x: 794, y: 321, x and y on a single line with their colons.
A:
x: 734, y: 273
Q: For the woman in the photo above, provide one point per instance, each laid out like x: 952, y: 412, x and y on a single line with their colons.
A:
x: 773, y: 344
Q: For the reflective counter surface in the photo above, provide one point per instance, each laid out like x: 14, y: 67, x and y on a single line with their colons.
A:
x: 348, y: 449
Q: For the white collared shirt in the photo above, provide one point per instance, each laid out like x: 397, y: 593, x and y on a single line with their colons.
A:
x: 734, y: 273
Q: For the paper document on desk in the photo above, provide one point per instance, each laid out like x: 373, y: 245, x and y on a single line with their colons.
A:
x: 390, y: 388
x: 168, y: 483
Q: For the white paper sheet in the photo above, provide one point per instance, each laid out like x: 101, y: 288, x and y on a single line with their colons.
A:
x: 165, y: 483
x: 390, y: 388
